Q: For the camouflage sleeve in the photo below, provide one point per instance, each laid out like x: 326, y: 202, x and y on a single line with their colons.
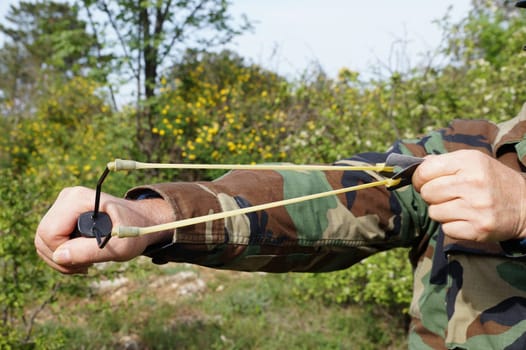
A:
x: 318, y: 235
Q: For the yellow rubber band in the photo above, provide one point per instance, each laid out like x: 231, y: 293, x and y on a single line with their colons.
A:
x: 120, y: 164
x: 133, y: 231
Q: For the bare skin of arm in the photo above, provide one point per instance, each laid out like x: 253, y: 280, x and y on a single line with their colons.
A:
x: 474, y: 196
x: 70, y: 256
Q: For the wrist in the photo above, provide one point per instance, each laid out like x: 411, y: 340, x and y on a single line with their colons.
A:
x: 517, y: 246
x: 157, y: 211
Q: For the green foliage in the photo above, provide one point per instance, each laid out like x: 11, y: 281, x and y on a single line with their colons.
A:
x: 331, y: 119
x: 238, y: 311
x: 44, y: 41
x: 151, y: 32
x: 60, y: 145
x: 23, y: 277
x: 383, y: 280
x: 64, y: 138
x: 50, y: 34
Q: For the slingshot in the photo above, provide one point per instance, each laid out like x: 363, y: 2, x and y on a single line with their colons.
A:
x: 98, y: 225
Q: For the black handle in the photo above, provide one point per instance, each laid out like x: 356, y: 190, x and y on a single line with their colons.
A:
x: 91, y: 226
x: 406, y: 164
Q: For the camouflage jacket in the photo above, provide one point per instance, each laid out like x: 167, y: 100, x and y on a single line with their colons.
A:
x: 466, y: 295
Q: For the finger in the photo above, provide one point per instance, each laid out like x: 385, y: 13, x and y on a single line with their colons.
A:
x: 462, y: 221
x: 443, y: 165
x: 64, y: 269
x: 85, y: 251
x: 60, y: 220
x: 462, y: 230
x: 81, y: 252
x: 41, y: 245
x: 453, y: 210
x: 46, y: 255
x: 431, y: 168
x: 442, y: 189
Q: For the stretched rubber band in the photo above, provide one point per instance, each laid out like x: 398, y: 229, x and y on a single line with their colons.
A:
x: 133, y: 231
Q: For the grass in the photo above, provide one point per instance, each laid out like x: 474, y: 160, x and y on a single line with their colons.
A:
x: 234, y: 311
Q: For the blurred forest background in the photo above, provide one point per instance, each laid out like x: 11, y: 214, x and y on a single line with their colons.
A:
x: 62, y: 67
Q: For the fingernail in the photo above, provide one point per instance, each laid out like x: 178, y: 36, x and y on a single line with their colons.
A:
x: 62, y: 256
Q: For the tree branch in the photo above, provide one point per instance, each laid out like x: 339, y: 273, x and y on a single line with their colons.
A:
x: 136, y: 73
x: 180, y: 30
x: 99, y: 52
x: 31, y: 323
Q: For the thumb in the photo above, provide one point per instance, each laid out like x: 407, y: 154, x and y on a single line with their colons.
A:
x: 79, y: 252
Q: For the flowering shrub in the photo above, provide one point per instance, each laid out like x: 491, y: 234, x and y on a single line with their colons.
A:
x: 214, y: 109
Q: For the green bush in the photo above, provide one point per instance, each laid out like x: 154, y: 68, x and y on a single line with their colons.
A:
x: 383, y: 280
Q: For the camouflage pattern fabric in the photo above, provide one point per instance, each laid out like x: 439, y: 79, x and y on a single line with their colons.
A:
x: 466, y: 295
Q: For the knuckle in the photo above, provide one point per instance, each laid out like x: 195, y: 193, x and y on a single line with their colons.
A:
x: 485, y: 226
x: 432, y: 212
x: 73, y: 191
x: 424, y: 192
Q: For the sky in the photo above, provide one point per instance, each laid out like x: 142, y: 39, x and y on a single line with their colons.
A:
x: 291, y: 35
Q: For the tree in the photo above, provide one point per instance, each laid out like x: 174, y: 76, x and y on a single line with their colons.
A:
x: 150, y: 34
x: 45, y: 41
